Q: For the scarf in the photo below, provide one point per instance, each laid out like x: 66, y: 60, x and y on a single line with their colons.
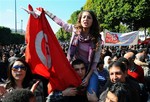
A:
x: 75, y: 43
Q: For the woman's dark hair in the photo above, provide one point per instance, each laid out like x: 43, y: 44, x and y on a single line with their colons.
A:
x: 95, y: 29
x: 28, y: 76
x: 119, y: 64
x: 121, y: 90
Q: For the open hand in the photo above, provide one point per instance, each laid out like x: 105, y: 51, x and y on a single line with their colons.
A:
x: 34, y: 86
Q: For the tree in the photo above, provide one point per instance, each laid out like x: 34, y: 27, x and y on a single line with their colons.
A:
x: 61, y: 34
x: 17, y: 39
x: 74, y: 17
x: 111, y: 13
x: 5, y: 35
x: 118, y: 15
x: 10, y: 38
x: 142, y: 14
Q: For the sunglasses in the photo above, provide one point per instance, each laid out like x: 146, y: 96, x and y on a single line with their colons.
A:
x: 15, y: 68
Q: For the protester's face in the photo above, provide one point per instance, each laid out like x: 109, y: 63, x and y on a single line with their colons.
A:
x: 18, y: 71
x: 103, y: 51
x: 80, y: 69
x: 11, y: 53
x: 4, y: 58
x: 111, y: 97
x: 109, y: 60
x: 86, y: 20
x: 116, y: 75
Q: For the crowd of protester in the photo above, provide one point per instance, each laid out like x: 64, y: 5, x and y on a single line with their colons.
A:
x: 108, y: 73
x: 132, y: 78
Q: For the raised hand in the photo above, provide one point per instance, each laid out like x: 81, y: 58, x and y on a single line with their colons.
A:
x: 69, y: 92
x: 34, y: 86
x: 2, y: 90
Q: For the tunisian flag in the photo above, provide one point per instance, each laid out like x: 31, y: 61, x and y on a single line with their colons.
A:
x: 45, y: 55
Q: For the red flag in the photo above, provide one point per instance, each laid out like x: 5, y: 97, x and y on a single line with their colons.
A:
x: 45, y: 55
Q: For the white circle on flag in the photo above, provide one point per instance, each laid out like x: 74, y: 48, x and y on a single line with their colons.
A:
x: 45, y: 59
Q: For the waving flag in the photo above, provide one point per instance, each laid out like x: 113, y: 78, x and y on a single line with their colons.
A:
x: 45, y: 55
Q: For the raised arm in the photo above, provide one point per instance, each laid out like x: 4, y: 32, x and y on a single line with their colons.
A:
x: 67, y: 27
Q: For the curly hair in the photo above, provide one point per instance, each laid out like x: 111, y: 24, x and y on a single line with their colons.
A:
x: 94, y: 30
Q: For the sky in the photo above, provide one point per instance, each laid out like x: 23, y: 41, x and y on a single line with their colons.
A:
x: 61, y: 8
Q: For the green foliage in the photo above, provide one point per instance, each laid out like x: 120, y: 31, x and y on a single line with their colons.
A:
x: 74, y: 17
x: 122, y: 28
x: 148, y: 34
x: 62, y: 35
x: 111, y: 13
x: 118, y: 15
x: 5, y: 33
x: 17, y: 39
x: 10, y: 38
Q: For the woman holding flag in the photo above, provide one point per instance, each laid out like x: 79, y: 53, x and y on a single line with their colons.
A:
x: 85, y: 43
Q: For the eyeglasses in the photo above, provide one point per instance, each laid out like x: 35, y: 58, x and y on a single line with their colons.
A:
x: 15, y: 68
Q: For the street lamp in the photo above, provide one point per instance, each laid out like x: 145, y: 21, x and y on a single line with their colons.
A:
x: 15, y: 18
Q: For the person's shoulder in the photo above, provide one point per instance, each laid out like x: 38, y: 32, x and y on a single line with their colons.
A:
x: 129, y: 80
x: 133, y: 83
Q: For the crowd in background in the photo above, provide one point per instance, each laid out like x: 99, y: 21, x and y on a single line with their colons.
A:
x: 108, y: 73
x: 109, y: 54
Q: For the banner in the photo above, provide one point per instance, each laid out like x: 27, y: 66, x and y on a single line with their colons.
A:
x: 45, y: 55
x: 120, y: 39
